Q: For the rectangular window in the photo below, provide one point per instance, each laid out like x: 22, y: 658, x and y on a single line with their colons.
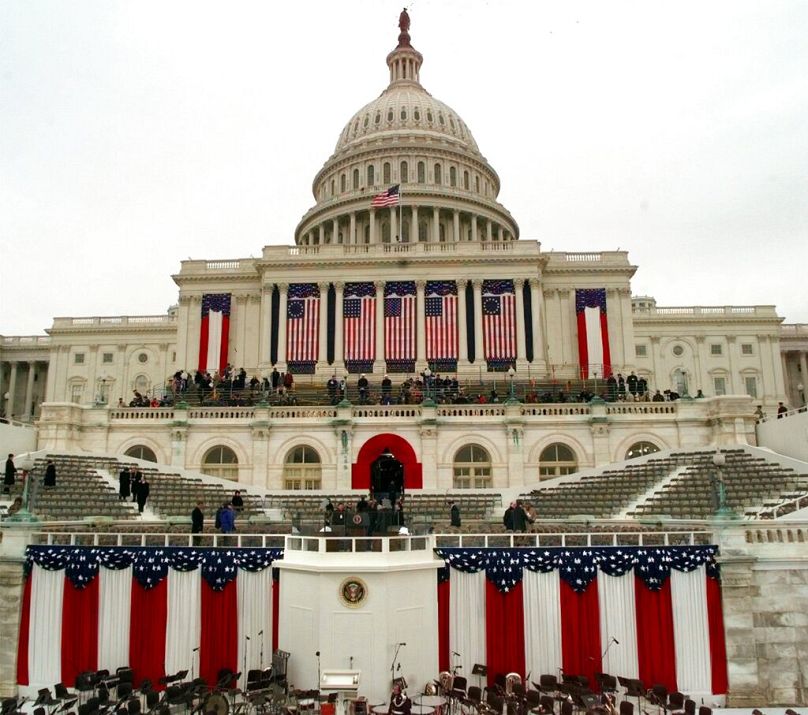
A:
x: 641, y: 350
x: 720, y: 385
x: 76, y: 392
x: 716, y: 349
x: 746, y: 349
x: 751, y: 386
x: 78, y: 358
x: 107, y: 358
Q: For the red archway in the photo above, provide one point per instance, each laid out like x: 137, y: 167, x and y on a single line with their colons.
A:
x: 404, y: 453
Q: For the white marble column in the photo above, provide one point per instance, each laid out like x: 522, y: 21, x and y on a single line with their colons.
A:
x: 413, y: 237
x: 474, y: 236
x: 500, y: 234
x: 372, y: 227
x: 420, y: 325
x: 521, y: 357
x: 264, y: 327
x: 478, y: 321
x: 379, y: 364
x: 335, y: 231
x: 394, y: 232
x: 456, y: 225
x: 537, y: 317
x: 352, y: 230
x: 435, y: 225
x: 322, y: 338
x: 282, y: 292
x: 734, y: 379
x: 29, y: 392
x: 462, y: 331
x: 489, y: 230
x: 339, y: 330
x: 321, y: 233
x: 12, y: 388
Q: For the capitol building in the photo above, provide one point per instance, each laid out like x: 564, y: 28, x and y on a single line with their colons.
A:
x: 406, y: 264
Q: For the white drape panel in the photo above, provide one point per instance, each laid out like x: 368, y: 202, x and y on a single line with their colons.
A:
x: 254, y: 616
x: 183, y: 627
x: 618, y: 620
x: 214, y: 340
x: 45, y: 634
x: 114, y: 611
x: 542, y: 606
x: 691, y: 630
x: 467, y: 618
x: 594, y: 340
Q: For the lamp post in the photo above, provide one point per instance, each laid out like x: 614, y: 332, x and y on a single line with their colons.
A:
x: 723, y: 510
x: 511, y: 394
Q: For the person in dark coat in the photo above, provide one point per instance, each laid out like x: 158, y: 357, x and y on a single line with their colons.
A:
x: 454, y: 514
x: 507, y: 517
x: 519, y: 518
x: 50, y: 475
x: 197, y: 519
x: 142, y: 494
x: 237, y: 502
x: 11, y: 471
x: 124, y: 484
x: 228, y: 519
x: 136, y: 479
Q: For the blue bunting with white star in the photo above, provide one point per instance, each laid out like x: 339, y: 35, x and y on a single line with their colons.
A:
x: 150, y: 564
x: 579, y: 566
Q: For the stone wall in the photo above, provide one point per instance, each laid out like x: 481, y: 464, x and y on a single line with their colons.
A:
x: 11, y: 581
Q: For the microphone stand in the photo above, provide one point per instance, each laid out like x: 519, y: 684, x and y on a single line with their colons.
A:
x: 195, y: 650
x: 244, y: 659
x: 261, y: 633
x: 318, y: 669
x: 611, y: 643
x: 393, y: 666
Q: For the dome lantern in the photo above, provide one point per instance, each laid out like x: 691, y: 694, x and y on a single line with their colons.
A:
x: 404, y: 61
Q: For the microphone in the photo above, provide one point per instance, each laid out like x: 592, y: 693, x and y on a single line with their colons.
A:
x: 454, y: 652
x: 317, y: 654
x: 195, y: 649
x: 402, y: 644
x: 615, y: 640
x: 247, y: 637
x: 261, y: 632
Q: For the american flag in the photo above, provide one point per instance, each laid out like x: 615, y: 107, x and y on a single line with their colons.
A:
x: 499, y: 320
x: 441, y: 320
x: 386, y: 198
x: 399, y: 320
x: 302, y: 322
x: 359, y: 321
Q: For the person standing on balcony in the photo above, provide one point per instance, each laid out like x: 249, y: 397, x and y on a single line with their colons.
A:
x: 50, y: 475
x: 454, y: 514
x: 124, y: 484
x: 11, y: 471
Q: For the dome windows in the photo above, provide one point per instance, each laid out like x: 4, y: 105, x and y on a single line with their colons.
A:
x: 378, y: 118
x: 452, y: 122
x: 441, y: 120
x: 386, y: 174
x: 438, y: 176
x: 466, y: 180
x: 366, y: 122
x: 421, y: 173
x: 452, y: 176
x: 390, y: 115
x: 416, y: 115
x: 371, y: 176
x: 403, y: 174
x: 342, y: 182
x: 429, y: 116
x: 356, y: 178
x: 403, y: 114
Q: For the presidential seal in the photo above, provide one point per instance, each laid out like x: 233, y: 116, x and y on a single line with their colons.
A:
x: 353, y: 591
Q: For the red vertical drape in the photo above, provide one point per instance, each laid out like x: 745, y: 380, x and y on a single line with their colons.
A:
x: 147, y: 633
x: 656, y: 652
x: 580, y: 631
x: 79, y: 629
x: 25, y: 627
x: 218, y: 645
x: 203, y: 344
x: 225, y: 341
x: 718, y: 647
x: 583, y: 350
x: 276, y: 603
x: 443, y: 625
x: 604, y: 339
x: 504, y: 631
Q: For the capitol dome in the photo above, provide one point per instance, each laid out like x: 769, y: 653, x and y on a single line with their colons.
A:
x: 407, y: 141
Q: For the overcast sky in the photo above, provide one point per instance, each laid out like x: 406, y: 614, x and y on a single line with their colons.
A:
x: 134, y: 135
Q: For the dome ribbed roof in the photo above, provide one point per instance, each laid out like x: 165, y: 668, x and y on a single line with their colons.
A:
x: 406, y: 108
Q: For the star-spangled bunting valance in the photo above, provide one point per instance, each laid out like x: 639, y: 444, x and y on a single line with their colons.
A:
x: 579, y: 566
x: 150, y: 564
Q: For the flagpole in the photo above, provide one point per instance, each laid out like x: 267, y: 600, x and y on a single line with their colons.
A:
x: 400, y: 217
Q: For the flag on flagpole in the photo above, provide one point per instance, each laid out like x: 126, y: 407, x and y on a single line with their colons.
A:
x: 386, y: 198
x: 214, y: 332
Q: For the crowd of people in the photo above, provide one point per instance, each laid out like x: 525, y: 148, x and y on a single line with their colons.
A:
x: 375, y: 512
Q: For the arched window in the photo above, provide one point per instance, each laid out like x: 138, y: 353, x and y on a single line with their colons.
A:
x: 342, y: 183
x: 386, y: 172
x: 221, y: 462
x: 421, y: 172
x: 141, y: 451
x: 639, y: 449
x: 466, y: 180
x: 405, y: 231
x: 141, y: 384
x: 371, y: 175
x: 477, y: 184
x: 452, y: 176
x: 333, y: 187
x: 472, y: 468
x: 356, y: 178
x: 403, y: 175
x: 438, y: 177
x: 423, y: 231
x: 302, y: 469
x: 556, y: 460
x: 386, y: 232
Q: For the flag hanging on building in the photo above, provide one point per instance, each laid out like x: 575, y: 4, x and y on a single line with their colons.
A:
x: 213, y: 335
x: 302, y: 323
x: 359, y: 325
x: 399, y: 322
x: 386, y: 198
x: 441, y: 320
x: 499, y: 322
x: 593, y: 332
